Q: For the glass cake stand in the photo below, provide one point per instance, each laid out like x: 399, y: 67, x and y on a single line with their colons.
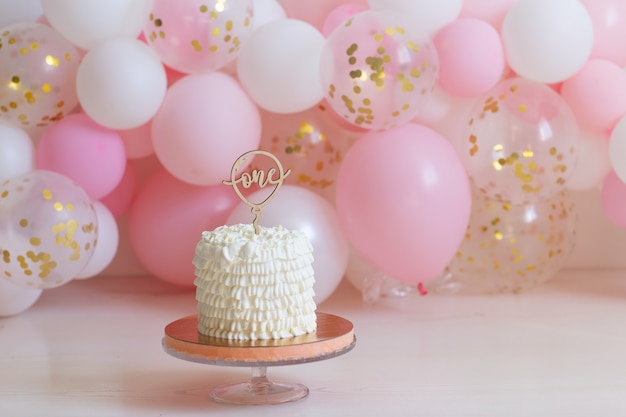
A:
x: 334, y: 337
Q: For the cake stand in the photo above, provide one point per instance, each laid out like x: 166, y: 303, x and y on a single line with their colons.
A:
x: 334, y: 336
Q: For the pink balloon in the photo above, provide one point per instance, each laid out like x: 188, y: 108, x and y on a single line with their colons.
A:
x: 167, y: 219
x: 118, y: 200
x: 339, y: 15
x: 316, y: 12
x: 613, y: 197
x: 609, y: 29
x: 403, y: 200
x: 204, y: 124
x: 91, y: 155
x: 490, y: 11
x: 138, y: 141
x: 596, y: 95
x: 471, y: 58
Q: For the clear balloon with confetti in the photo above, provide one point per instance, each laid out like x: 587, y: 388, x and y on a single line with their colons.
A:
x: 37, y: 75
x: 196, y: 36
x: 48, y: 229
x: 377, y: 71
x: 511, y: 248
x: 520, y: 142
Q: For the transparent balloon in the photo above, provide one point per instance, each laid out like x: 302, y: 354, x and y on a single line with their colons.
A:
x: 37, y: 75
x: 376, y: 72
x: 194, y: 36
x: 510, y: 248
x: 520, y: 142
x: 47, y: 229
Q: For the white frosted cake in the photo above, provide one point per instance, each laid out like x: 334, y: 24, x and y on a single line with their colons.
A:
x: 254, y: 286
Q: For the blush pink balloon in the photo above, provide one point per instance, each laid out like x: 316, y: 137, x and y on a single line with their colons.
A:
x: 490, y: 11
x: 204, y: 124
x: 339, y: 15
x: 138, y: 141
x: 167, y: 219
x: 315, y: 12
x: 91, y: 155
x: 118, y: 200
x: 471, y: 57
x: 609, y: 29
x: 403, y: 200
x: 613, y: 197
x: 597, y: 95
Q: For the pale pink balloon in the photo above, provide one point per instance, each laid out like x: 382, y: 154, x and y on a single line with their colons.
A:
x: 597, y: 95
x: 315, y: 12
x: 609, y: 29
x: 471, y: 58
x: 167, y: 219
x: 490, y: 11
x: 119, y: 200
x: 204, y: 124
x: 138, y: 141
x: 297, y: 208
x: 613, y: 197
x: 339, y: 15
x: 84, y: 151
x: 403, y: 200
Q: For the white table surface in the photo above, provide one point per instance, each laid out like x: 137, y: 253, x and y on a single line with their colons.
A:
x: 93, y: 348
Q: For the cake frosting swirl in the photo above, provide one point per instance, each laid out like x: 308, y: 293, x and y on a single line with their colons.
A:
x: 253, y: 286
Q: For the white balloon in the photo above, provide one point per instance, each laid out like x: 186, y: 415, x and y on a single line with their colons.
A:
x: 12, y: 11
x: 85, y: 23
x: 266, y: 11
x: 121, y: 83
x: 107, y: 244
x: 279, y: 66
x: 593, y: 163
x: 427, y: 16
x: 617, y: 149
x: 17, y: 151
x: 547, y: 41
x: 15, y: 299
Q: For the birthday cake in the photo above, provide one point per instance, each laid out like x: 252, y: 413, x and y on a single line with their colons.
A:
x: 254, y: 286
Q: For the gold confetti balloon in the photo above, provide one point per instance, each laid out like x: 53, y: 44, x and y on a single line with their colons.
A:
x: 376, y: 71
x: 37, y: 75
x: 520, y: 142
x: 308, y: 143
x: 510, y: 248
x: 196, y: 36
x: 48, y: 229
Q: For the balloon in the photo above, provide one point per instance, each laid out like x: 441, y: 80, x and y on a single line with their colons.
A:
x: 297, y: 208
x: 598, y: 81
x: 315, y: 12
x: 204, y: 124
x: 609, y: 28
x: 87, y: 23
x: 490, y: 11
x: 106, y: 247
x: 510, y: 248
x: 121, y: 83
x: 166, y: 221
x: 194, y: 36
x: 520, y: 142
x: 118, y: 201
x: 19, y: 12
x: 377, y: 73
x: 403, y: 200
x: 278, y: 66
x: 339, y: 15
x: 613, y: 197
x: 17, y: 152
x: 15, y: 299
x: 428, y: 15
x: 138, y: 141
x: 84, y: 151
x: 471, y: 59
x: 309, y: 144
x: 37, y: 75
x: 266, y: 11
x: 47, y: 229
x: 593, y: 162
x: 617, y: 149
x: 547, y: 41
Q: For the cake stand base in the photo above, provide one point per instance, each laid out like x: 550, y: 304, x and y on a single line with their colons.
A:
x: 334, y: 336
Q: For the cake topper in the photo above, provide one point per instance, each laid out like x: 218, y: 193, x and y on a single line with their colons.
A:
x: 258, y: 177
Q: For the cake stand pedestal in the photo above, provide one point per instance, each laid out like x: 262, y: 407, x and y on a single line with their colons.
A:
x: 334, y: 336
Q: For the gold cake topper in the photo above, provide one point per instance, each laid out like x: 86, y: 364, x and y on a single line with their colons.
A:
x: 258, y: 177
